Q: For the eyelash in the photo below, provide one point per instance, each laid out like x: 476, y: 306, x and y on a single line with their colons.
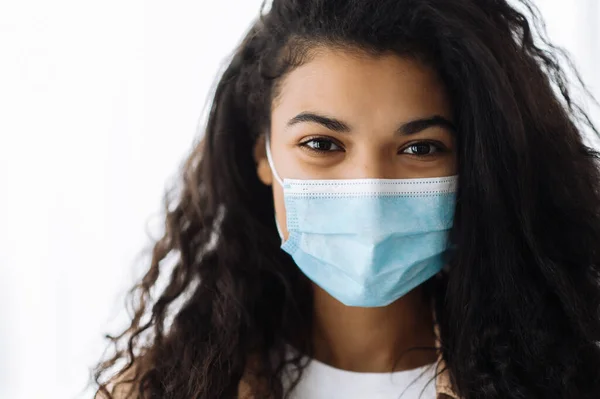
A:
x: 439, y: 147
x: 305, y: 144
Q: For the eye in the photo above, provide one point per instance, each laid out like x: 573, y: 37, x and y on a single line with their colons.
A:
x: 423, y: 148
x: 321, y: 144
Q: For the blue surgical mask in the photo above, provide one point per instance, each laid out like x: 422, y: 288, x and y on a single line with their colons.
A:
x: 368, y: 242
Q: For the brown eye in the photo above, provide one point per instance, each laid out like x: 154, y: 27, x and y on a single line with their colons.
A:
x: 422, y: 149
x: 321, y: 145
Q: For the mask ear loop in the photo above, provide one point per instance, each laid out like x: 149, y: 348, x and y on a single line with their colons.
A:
x: 270, y: 159
x: 272, y: 165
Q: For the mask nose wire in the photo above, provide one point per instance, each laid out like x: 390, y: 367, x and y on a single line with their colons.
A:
x: 270, y: 159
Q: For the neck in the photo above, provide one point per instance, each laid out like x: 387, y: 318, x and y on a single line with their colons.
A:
x: 373, y: 339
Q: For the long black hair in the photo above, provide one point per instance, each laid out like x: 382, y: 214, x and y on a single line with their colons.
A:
x: 518, y: 308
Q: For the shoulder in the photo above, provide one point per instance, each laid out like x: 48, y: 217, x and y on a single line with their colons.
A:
x: 123, y: 386
x: 251, y: 385
x: 245, y: 390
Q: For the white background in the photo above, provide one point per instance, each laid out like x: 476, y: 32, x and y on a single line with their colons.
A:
x: 99, y: 103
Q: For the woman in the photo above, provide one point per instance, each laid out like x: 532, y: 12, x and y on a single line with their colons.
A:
x: 390, y: 200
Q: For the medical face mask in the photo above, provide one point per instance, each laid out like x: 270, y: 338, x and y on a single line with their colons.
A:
x: 367, y: 242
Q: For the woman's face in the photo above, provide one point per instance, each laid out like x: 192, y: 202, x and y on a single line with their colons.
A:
x: 347, y: 116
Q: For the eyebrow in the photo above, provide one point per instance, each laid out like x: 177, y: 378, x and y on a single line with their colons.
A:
x: 408, y: 128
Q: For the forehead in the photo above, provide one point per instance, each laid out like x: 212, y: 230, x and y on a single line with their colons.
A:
x: 357, y: 83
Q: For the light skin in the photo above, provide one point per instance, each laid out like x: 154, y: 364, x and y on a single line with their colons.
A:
x: 347, y: 115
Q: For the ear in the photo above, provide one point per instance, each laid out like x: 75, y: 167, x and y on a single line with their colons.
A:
x: 263, y: 170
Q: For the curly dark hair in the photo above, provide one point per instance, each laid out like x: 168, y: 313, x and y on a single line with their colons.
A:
x: 518, y: 308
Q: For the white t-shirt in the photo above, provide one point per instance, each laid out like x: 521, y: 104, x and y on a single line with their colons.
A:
x: 321, y: 381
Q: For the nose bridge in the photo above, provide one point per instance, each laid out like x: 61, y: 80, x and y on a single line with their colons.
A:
x: 371, y: 162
